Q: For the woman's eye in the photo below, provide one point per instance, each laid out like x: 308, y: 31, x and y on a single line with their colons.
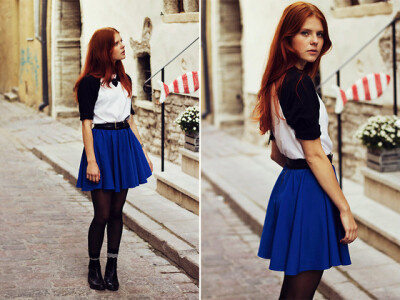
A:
x: 304, y: 33
x: 320, y: 34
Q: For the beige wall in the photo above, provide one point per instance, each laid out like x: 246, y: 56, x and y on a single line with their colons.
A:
x: 9, y: 49
x: 30, y: 60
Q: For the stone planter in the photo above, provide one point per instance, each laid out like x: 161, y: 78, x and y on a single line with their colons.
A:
x: 384, y: 160
x: 368, y: 1
x: 342, y: 3
x: 192, y: 141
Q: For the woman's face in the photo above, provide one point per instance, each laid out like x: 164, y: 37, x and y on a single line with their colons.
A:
x: 308, y: 41
x: 118, y: 51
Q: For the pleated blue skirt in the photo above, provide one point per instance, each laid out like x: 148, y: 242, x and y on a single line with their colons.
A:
x: 120, y: 158
x: 302, y: 227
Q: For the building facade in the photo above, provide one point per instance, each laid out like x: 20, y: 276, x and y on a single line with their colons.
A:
x: 239, y: 34
x: 149, y: 30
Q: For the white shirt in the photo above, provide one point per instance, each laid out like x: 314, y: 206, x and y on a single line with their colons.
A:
x: 113, y: 104
x: 287, y: 142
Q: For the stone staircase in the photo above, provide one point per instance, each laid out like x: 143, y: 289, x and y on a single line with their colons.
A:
x: 181, y: 184
x: 13, y: 95
x: 377, y: 210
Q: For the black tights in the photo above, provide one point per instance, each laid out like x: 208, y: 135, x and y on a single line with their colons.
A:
x: 107, y: 211
x: 300, y: 286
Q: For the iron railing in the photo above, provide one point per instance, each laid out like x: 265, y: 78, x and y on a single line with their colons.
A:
x: 337, y: 73
x: 162, y: 70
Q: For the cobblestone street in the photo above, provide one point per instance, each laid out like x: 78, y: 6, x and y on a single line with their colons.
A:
x: 43, y: 240
x: 230, y: 266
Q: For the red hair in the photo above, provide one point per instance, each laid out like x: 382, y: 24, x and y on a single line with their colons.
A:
x: 282, y: 57
x: 99, y: 62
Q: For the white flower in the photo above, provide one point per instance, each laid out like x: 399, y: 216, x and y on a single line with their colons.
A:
x: 380, y: 144
x: 397, y: 123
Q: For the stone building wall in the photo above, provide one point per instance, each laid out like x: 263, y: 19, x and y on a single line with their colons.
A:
x: 66, y: 54
x: 148, y: 121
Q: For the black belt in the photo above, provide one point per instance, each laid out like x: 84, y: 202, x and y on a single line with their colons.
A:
x: 112, y: 126
x: 301, y: 163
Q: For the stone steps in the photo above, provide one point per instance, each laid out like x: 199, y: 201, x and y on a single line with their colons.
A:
x: 190, y: 162
x: 179, y: 187
x: 66, y: 112
x: 383, y: 187
x: 11, y: 96
x: 378, y: 225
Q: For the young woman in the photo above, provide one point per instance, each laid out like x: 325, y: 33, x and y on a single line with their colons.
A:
x: 308, y: 222
x: 113, y: 158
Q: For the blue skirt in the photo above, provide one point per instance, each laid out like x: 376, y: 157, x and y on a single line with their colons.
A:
x: 120, y: 158
x: 302, y: 227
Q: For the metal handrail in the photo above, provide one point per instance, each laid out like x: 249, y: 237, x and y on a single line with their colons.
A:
x: 196, y: 39
x: 357, y: 52
x: 162, y: 70
x: 337, y: 73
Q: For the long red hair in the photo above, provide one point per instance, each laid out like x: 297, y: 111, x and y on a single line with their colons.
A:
x: 99, y: 62
x: 282, y: 57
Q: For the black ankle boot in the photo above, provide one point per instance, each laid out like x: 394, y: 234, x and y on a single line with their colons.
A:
x: 95, y: 279
x: 110, y: 276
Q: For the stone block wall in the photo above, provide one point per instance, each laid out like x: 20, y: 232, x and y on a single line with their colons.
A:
x: 149, y: 126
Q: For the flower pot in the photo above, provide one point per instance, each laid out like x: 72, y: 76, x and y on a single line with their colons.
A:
x: 384, y: 160
x: 192, y: 141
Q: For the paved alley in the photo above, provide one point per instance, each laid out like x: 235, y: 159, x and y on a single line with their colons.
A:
x: 230, y: 266
x: 43, y: 239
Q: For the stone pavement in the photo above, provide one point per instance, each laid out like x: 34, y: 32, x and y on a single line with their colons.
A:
x: 166, y: 226
x: 43, y: 239
x: 244, y: 175
x: 230, y: 268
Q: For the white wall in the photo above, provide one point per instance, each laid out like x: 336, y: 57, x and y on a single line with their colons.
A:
x: 127, y: 16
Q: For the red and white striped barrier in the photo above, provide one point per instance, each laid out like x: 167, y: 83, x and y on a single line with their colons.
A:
x: 367, y: 88
x: 185, y: 84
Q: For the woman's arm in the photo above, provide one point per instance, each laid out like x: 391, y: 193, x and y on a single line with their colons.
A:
x: 323, y: 171
x: 135, y: 131
x: 92, y: 171
x: 276, y: 155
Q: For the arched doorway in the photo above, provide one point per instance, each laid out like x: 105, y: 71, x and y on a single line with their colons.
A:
x: 66, y: 56
x: 228, y: 95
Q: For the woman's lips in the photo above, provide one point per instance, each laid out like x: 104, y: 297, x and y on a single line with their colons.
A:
x: 312, y: 51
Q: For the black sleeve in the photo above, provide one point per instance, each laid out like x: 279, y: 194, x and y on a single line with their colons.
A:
x: 300, y: 105
x: 88, y: 92
x: 130, y: 79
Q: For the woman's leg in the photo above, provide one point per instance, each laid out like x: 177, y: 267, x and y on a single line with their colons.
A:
x: 114, y: 233
x: 301, y: 286
x: 101, y: 203
x: 115, y: 224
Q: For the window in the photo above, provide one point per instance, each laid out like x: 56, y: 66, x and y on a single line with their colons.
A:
x: 144, y: 92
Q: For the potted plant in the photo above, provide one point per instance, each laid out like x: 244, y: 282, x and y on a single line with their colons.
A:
x: 188, y: 121
x: 381, y: 136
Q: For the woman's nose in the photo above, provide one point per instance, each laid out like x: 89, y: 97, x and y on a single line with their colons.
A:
x: 314, y: 39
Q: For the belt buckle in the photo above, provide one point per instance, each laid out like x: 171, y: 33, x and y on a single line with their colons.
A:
x: 115, y: 125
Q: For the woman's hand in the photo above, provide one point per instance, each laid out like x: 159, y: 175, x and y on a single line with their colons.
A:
x: 148, y: 160
x: 350, y: 227
x: 93, y: 172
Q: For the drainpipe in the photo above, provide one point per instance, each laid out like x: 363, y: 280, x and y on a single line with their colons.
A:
x: 205, y: 60
x: 45, y: 83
